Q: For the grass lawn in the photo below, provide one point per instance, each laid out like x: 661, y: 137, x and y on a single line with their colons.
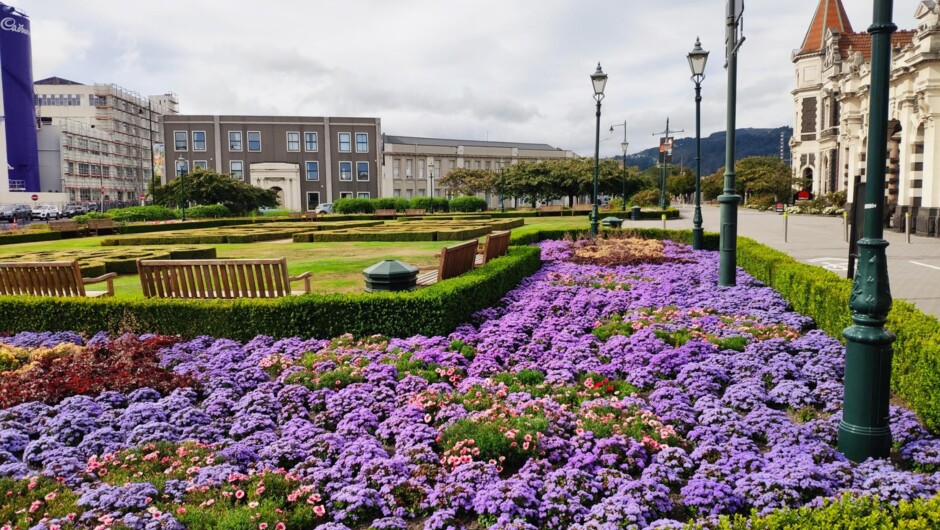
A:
x: 336, y: 267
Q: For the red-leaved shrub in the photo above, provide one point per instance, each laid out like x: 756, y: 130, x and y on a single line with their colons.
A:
x: 124, y: 364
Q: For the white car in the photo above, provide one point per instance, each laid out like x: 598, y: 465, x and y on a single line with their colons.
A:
x: 46, y: 211
x: 324, y: 207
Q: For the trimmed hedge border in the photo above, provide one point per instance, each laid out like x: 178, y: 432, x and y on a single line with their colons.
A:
x: 824, y: 296
x: 30, y: 237
x: 435, y: 310
x: 117, y: 260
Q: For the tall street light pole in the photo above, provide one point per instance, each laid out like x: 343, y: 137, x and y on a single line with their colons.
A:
x: 182, y: 175
x: 865, y: 431
x: 599, y: 80
x: 729, y: 199
x: 624, y: 145
x: 502, y: 183
x: 664, y: 148
x: 697, y: 59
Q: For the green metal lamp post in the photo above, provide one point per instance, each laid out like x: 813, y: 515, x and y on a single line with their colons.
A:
x: 182, y: 175
x: 729, y: 199
x: 623, y: 145
x: 599, y: 80
x: 865, y: 431
x: 502, y: 183
x: 697, y: 59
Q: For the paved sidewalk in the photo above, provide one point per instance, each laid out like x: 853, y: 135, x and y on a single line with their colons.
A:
x: 913, y: 268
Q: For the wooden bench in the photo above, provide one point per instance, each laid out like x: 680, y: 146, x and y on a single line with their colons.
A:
x: 294, y: 215
x: 581, y: 208
x: 50, y: 278
x: 389, y: 213
x: 218, y: 278
x: 310, y: 216
x: 455, y: 260
x: 411, y: 212
x: 550, y: 208
x: 496, y: 245
x: 96, y: 225
x: 66, y: 226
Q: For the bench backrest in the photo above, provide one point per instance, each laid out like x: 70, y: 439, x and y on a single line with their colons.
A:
x: 106, y: 222
x: 66, y: 226
x: 214, y: 278
x: 457, y: 259
x: 310, y: 216
x: 550, y: 208
x: 497, y: 244
x: 47, y: 278
x: 386, y: 212
x: 416, y: 211
x: 582, y: 208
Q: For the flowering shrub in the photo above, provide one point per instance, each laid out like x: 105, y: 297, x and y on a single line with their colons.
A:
x: 64, y: 370
x: 525, y: 417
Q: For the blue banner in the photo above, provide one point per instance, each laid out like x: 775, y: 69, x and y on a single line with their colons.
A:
x: 16, y: 62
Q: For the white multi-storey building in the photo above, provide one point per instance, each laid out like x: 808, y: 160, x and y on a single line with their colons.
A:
x: 109, y: 139
x: 831, y: 106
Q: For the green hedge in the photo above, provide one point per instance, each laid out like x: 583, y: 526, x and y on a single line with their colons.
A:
x: 846, y: 513
x: 824, y: 296
x: 348, y: 206
x: 29, y: 236
x: 337, y: 236
x: 435, y: 310
x: 210, y: 211
x: 468, y: 204
x: 133, y: 214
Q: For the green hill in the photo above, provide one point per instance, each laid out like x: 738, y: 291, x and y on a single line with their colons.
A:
x: 750, y: 142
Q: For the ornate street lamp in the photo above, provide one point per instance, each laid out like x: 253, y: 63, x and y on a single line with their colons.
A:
x: 182, y: 175
x: 865, y: 429
x: 697, y: 59
x: 623, y: 145
x: 599, y: 80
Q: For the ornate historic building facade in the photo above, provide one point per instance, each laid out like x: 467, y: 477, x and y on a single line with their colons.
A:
x: 830, y: 135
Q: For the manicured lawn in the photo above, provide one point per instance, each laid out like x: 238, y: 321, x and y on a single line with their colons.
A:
x: 336, y: 267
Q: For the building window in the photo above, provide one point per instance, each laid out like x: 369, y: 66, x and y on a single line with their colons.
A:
x: 202, y: 164
x: 199, y: 140
x: 182, y: 167
x: 234, y: 140
x: 345, y: 170
x: 362, y: 171
x: 83, y: 169
x: 345, y: 195
x: 293, y: 141
x: 408, y: 194
x: 254, y: 140
x: 313, y: 170
x: 179, y: 141
x: 396, y: 168
x: 362, y: 195
x: 236, y: 169
x: 362, y: 142
x: 421, y: 169
x: 313, y: 200
x: 408, y: 173
x: 345, y: 143
x: 310, y: 141
x: 396, y: 193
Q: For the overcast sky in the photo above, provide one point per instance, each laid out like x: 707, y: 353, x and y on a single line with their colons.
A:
x: 465, y: 69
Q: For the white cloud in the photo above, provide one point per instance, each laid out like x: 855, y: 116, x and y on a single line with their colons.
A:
x: 515, y: 71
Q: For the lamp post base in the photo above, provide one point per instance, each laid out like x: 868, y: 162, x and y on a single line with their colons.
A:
x: 697, y: 238
x: 727, y: 258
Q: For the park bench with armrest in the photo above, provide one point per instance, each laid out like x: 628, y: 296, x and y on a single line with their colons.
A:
x: 455, y: 260
x: 50, y: 278
x: 496, y: 245
x: 550, y: 208
x: 97, y: 225
x: 411, y: 212
x: 218, y: 278
x: 389, y: 213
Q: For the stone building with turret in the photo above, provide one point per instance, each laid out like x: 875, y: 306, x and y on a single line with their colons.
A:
x: 831, y: 106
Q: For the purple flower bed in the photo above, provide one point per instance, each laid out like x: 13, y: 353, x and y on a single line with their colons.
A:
x: 647, y: 402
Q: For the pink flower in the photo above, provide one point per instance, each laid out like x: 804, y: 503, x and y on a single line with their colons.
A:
x: 263, y: 526
x: 319, y: 510
x: 239, y: 494
x: 280, y: 526
x: 181, y: 510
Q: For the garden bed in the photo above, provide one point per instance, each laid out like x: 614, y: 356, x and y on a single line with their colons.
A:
x: 233, y: 234
x: 589, y: 397
x: 443, y: 230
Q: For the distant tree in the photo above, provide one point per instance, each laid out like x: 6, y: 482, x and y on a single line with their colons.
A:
x: 465, y: 181
x: 204, y: 186
x: 764, y: 175
x: 681, y: 184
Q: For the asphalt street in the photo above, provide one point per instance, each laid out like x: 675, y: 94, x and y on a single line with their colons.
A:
x: 913, y: 268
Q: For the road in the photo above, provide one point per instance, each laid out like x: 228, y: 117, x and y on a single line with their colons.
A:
x: 913, y: 268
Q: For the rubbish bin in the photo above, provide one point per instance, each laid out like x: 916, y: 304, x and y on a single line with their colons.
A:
x: 612, y: 222
x: 635, y: 213
x: 390, y: 275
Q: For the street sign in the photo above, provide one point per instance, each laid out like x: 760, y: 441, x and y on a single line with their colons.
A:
x: 101, y: 190
x: 142, y: 197
x: 35, y: 197
x: 780, y: 207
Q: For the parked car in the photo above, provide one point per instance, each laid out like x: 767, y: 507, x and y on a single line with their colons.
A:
x: 72, y: 210
x: 92, y: 207
x: 20, y: 212
x: 46, y: 212
x: 324, y: 207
